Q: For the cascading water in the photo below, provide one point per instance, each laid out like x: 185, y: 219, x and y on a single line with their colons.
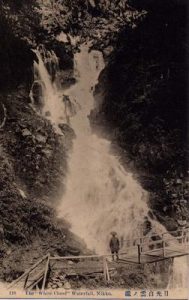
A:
x: 100, y: 196
x: 180, y: 273
x: 51, y: 98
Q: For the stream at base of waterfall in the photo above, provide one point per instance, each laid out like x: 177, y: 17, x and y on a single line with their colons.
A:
x: 101, y: 196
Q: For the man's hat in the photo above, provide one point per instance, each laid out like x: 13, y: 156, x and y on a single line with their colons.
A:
x: 113, y: 233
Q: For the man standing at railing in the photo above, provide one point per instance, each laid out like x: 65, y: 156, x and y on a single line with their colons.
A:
x: 114, y: 245
x: 182, y: 226
x: 181, y: 223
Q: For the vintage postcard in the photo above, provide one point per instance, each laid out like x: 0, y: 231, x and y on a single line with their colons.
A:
x: 93, y: 149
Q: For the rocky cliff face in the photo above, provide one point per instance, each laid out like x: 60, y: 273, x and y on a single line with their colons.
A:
x: 144, y: 103
x: 33, y: 157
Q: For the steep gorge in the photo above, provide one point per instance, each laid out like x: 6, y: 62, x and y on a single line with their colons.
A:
x: 144, y: 88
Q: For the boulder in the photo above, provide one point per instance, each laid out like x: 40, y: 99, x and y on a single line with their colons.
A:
x: 26, y: 132
x: 47, y: 152
x: 67, y: 285
x: 54, y: 286
x: 92, y: 3
x: 60, y: 284
x: 40, y: 138
x: 108, y: 50
x: 62, y: 277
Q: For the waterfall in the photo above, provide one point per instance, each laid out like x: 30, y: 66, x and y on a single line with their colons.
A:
x: 179, y: 274
x: 101, y: 196
x: 45, y: 95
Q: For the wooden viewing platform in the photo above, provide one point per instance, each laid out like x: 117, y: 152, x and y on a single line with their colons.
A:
x: 143, y: 250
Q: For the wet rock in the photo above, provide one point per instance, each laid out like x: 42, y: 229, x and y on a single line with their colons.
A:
x: 54, y: 286
x: 36, y: 94
x: 73, y: 251
x: 64, y: 53
x: 60, y: 284
x: 108, y: 50
x: 92, y: 3
x: 179, y: 181
x: 67, y: 285
x: 47, y: 114
x: 22, y: 193
x: 26, y: 132
x: 40, y: 138
x: 47, y: 152
x: 66, y: 129
x: 62, y: 277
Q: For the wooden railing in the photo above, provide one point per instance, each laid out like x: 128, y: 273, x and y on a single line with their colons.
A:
x: 143, y: 247
x: 25, y: 276
x: 163, y: 243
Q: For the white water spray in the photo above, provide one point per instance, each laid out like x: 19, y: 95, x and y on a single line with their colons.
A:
x: 180, y: 273
x: 51, y: 106
x: 101, y: 196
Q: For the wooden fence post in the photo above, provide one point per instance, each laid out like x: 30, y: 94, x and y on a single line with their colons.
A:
x: 13, y: 284
x: 139, y: 253
x: 26, y: 280
x: 46, y: 272
x: 163, y: 245
x: 107, y: 271
x: 104, y: 267
x: 163, y: 248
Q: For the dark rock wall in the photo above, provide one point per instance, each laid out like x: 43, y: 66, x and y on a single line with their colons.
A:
x: 16, y: 61
x: 145, y: 101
